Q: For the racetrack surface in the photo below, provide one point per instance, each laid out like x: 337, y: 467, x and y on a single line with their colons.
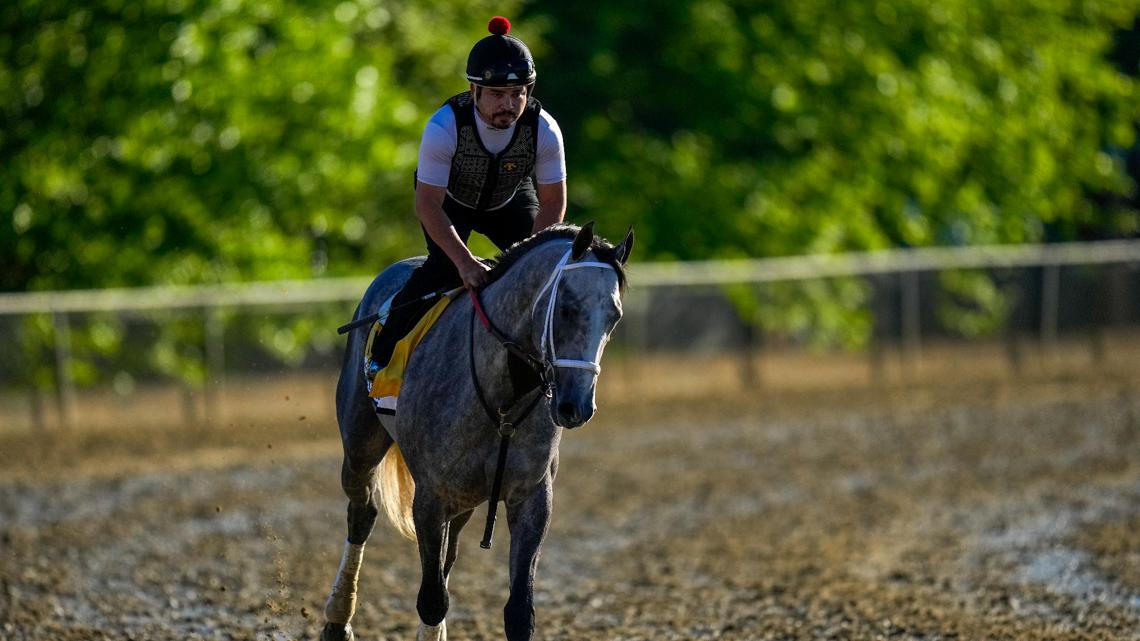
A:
x: 954, y: 511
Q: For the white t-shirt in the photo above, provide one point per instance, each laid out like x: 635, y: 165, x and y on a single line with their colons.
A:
x: 437, y: 147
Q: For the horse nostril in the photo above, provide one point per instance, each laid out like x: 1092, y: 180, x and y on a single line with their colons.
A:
x: 568, y: 411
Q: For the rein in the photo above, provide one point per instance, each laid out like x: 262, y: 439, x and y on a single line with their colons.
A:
x: 542, y: 366
x: 506, y: 424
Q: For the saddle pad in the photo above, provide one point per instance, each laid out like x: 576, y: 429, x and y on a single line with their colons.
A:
x: 389, y: 379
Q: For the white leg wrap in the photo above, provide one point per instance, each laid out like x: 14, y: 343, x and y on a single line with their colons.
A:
x: 342, y: 601
x: 432, y: 632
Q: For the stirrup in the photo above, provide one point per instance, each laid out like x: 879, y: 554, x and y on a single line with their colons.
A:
x: 371, y: 368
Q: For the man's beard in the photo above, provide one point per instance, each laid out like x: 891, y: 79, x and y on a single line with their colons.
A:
x: 510, y: 117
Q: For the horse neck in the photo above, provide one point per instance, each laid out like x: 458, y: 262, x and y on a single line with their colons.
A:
x: 510, y: 299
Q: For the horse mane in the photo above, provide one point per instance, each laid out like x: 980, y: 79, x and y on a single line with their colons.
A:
x: 602, y: 248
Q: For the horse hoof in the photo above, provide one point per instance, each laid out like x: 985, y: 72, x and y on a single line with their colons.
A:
x: 337, y: 632
x: 432, y: 632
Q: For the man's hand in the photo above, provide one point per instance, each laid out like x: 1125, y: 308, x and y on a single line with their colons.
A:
x: 474, y: 273
x: 429, y: 209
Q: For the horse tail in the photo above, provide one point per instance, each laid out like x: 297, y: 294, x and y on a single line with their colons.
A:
x: 397, y: 489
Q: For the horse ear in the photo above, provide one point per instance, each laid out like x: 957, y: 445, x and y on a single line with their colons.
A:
x: 625, y: 248
x: 583, y: 240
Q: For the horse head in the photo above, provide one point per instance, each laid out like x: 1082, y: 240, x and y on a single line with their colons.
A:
x: 580, y: 305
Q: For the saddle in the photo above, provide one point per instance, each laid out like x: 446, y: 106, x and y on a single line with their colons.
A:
x: 384, y: 388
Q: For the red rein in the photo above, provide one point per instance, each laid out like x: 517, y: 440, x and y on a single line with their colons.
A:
x: 479, y: 309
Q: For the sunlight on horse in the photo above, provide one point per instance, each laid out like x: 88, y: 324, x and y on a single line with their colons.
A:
x: 468, y: 391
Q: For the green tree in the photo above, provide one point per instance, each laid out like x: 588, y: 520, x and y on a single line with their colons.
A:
x: 204, y: 141
x: 198, y: 141
x: 187, y: 142
x: 731, y: 128
x: 736, y: 128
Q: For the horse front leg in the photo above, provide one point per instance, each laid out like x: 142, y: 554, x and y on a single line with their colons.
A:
x: 358, y: 479
x: 528, y: 521
x: 432, y: 530
x: 452, y: 551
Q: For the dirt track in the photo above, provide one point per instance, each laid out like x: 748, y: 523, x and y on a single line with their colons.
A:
x: 967, y: 513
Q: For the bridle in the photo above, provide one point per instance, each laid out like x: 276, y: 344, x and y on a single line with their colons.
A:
x: 546, y: 362
x: 544, y: 365
x: 547, y: 341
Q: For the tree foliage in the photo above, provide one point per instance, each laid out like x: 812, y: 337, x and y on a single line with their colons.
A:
x: 213, y: 140
x: 198, y: 141
x: 759, y: 129
x: 183, y: 141
x: 177, y: 141
x: 738, y: 128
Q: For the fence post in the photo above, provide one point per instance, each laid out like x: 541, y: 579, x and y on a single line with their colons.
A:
x: 1015, y: 320
x: 1100, y: 315
x: 749, y: 374
x: 215, y: 363
x: 1050, y: 293
x: 65, y: 387
x: 636, y: 357
x: 880, y: 311
x: 911, y: 320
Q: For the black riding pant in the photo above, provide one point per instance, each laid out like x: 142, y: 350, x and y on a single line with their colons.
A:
x: 504, y: 226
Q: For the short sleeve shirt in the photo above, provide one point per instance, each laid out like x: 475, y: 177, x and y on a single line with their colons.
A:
x: 437, y: 147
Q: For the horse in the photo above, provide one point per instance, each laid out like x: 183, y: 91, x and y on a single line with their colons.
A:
x: 463, y: 399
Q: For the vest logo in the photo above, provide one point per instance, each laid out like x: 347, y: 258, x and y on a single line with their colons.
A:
x: 510, y: 166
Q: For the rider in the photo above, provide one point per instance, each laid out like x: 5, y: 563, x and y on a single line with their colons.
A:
x: 491, y: 160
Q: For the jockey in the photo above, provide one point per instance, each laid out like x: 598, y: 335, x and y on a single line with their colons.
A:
x: 491, y: 160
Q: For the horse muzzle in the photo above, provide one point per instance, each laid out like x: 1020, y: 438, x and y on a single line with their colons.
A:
x: 570, y: 415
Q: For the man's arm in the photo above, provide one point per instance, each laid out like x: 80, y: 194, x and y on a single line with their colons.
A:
x: 429, y: 209
x: 551, y: 205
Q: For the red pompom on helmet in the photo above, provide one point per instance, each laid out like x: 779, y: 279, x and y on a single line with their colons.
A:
x: 499, y: 26
x: 500, y: 60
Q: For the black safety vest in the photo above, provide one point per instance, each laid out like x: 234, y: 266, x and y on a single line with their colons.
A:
x: 482, y: 180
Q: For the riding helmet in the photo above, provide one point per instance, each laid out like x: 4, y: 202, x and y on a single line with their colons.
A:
x: 500, y: 60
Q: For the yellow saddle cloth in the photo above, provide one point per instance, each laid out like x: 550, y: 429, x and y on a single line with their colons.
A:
x: 389, y: 379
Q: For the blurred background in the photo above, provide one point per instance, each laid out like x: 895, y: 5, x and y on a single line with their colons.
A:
x: 193, y: 194
x: 878, y: 374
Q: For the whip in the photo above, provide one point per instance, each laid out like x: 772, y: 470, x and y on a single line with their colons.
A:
x: 371, y: 318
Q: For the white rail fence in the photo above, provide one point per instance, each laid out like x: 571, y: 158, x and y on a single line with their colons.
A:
x: 908, y: 264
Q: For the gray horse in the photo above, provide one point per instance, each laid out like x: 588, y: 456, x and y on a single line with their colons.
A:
x: 554, y: 298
